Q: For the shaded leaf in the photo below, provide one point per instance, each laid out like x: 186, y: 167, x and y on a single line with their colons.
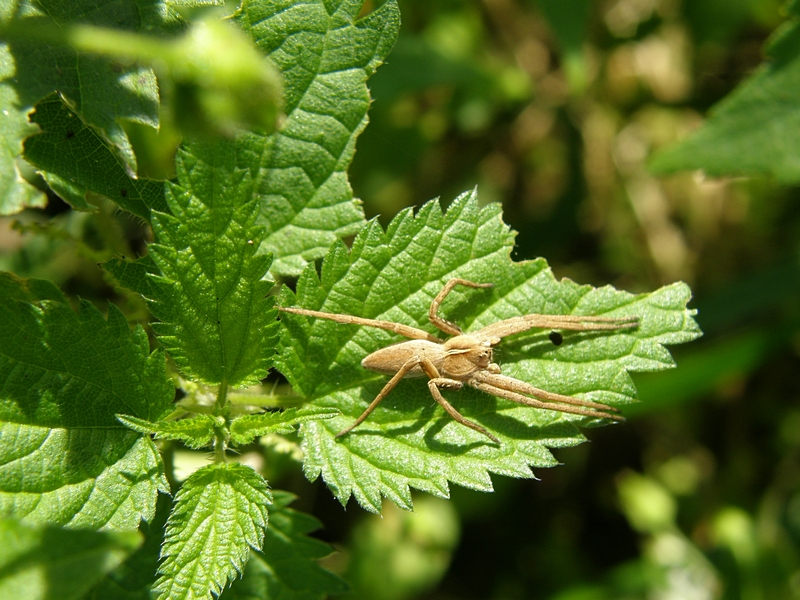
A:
x: 42, y: 563
x: 248, y: 427
x: 64, y: 458
x: 77, y: 161
x: 395, y: 276
x: 286, y: 568
x: 15, y: 193
x: 752, y: 129
x: 103, y: 91
x: 220, y: 513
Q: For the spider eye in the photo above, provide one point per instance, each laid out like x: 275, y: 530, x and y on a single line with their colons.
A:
x: 556, y: 338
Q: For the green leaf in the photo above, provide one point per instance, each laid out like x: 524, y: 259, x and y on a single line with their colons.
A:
x: 133, y: 579
x: 196, y: 432
x: 42, y: 563
x: 248, y: 427
x: 101, y: 90
x: 15, y: 193
x: 64, y: 458
x: 216, y: 319
x: 753, y: 129
x: 220, y: 513
x: 64, y: 136
x: 286, y: 568
x: 325, y: 54
x: 409, y: 440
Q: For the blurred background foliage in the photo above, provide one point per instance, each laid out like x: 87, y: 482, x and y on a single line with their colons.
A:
x: 554, y: 109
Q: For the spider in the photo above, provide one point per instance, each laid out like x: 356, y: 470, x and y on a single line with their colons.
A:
x: 466, y: 358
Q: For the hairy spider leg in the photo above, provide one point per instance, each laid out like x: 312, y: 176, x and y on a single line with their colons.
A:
x: 433, y: 313
x: 404, y: 330
x: 434, y: 383
x: 515, y: 385
x: 520, y: 399
x: 522, y: 323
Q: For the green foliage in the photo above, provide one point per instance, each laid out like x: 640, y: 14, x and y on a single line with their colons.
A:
x: 212, y: 302
x: 219, y: 514
x: 285, y: 568
x: 65, y: 377
x: 325, y: 55
x: 752, y: 130
x: 196, y: 432
x: 63, y: 136
x: 102, y: 93
x: 394, y: 276
x: 15, y: 192
x: 49, y: 563
x: 248, y: 427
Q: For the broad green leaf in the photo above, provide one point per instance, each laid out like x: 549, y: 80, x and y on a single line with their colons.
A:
x: 134, y: 274
x: 216, y: 320
x: 133, y: 579
x: 219, y: 514
x: 248, y: 427
x: 64, y: 458
x: 49, y: 563
x: 196, y: 432
x: 58, y: 149
x: 325, y: 54
x: 286, y: 568
x: 101, y: 90
x: 409, y: 441
x: 753, y: 129
x: 15, y: 192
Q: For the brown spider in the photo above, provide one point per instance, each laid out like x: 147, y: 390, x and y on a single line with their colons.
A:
x: 467, y: 358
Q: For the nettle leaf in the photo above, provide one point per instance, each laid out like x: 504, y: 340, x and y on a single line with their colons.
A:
x: 15, y: 192
x: 102, y: 90
x: 248, y: 427
x: 409, y: 441
x: 325, y: 54
x: 196, y: 432
x: 64, y: 137
x: 59, y: 564
x: 219, y: 514
x: 64, y: 458
x: 752, y: 129
x: 286, y: 568
x: 216, y: 319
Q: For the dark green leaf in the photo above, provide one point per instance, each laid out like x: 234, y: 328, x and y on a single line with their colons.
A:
x: 76, y: 161
x: 286, y: 568
x: 65, y: 457
x: 48, y: 563
x: 753, y: 129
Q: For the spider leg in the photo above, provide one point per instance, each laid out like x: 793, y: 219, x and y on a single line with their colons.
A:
x: 520, y: 399
x: 433, y: 313
x: 514, y: 325
x: 404, y: 330
x: 515, y: 385
x: 410, y: 364
x: 434, y: 385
